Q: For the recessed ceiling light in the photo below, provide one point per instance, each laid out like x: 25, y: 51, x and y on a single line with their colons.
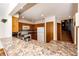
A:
x: 21, y: 8
x: 69, y: 16
x: 22, y: 16
x: 42, y: 15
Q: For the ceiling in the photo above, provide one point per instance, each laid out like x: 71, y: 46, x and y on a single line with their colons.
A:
x: 38, y: 11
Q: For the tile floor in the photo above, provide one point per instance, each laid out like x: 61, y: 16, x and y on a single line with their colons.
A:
x: 18, y: 47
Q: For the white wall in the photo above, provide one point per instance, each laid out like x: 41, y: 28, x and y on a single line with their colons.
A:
x: 77, y: 19
x: 78, y: 41
x: 1, y: 46
x: 8, y: 27
x: 25, y: 21
x: 49, y: 19
x: 5, y: 28
x: 77, y: 24
x: 55, y: 28
x: 39, y: 21
x: 11, y: 7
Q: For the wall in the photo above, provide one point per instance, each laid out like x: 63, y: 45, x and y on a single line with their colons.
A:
x: 5, y: 28
x: 76, y: 41
x: 55, y: 29
x: 12, y: 6
x: 1, y: 46
x: 15, y: 7
x: 8, y: 28
x: 25, y: 21
x: 75, y: 28
x: 2, y: 15
x: 25, y: 24
x: 77, y: 17
x: 47, y: 19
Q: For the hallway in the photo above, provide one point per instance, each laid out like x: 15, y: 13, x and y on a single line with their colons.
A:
x: 66, y: 36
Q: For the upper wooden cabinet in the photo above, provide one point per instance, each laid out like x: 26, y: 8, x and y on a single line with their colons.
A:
x: 15, y: 24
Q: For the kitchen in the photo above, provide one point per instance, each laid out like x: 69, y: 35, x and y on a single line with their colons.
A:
x: 37, y: 31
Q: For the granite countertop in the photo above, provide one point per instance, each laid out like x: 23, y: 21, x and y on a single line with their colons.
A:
x: 17, y: 47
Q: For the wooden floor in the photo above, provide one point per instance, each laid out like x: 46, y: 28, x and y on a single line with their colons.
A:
x: 66, y: 36
x: 2, y: 53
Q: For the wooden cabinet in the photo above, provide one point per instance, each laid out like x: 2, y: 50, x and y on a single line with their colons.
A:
x: 2, y: 52
x: 15, y: 24
x: 49, y: 31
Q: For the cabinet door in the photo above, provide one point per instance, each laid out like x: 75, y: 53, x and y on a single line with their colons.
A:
x: 15, y: 24
x: 49, y: 31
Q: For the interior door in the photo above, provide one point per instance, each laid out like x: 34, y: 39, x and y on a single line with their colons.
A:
x: 49, y: 31
x: 59, y: 31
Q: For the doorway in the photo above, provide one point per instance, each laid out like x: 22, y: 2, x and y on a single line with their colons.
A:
x: 67, y: 30
x: 49, y: 31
